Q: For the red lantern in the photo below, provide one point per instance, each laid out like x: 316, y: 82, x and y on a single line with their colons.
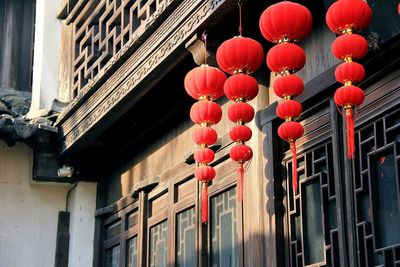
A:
x: 350, y: 72
x: 240, y: 154
x: 205, y: 84
x: 351, y: 46
x: 344, y: 17
x: 285, y: 20
x: 348, y: 14
x: 349, y: 96
x: 286, y: 57
x: 291, y: 131
x: 289, y: 109
x: 240, y: 56
x: 204, y: 136
x: 240, y: 53
x: 240, y: 133
x: 204, y: 174
x: 205, y: 81
x: 240, y: 112
x: 241, y: 86
x: 206, y: 112
x: 204, y: 155
x: 288, y: 85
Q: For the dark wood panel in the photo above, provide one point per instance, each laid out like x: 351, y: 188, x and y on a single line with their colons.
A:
x: 16, y: 44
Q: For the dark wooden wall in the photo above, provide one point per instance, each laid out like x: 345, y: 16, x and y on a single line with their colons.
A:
x: 16, y: 43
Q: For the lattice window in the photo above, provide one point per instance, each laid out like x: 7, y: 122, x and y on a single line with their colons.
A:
x: 112, y: 257
x: 132, y: 253
x: 158, y: 247
x: 376, y: 192
x: 185, y: 238
x: 313, y: 228
x: 224, y: 232
x: 106, y: 30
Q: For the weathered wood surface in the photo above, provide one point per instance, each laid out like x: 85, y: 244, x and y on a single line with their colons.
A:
x: 156, y: 55
x: 16, y: 44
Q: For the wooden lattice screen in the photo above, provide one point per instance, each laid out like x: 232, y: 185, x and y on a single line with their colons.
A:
x: 105, y: 31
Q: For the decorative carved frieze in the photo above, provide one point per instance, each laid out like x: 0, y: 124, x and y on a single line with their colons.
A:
x: 166, y: 39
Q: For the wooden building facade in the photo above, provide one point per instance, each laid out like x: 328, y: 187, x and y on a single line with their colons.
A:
x: 127, y: 128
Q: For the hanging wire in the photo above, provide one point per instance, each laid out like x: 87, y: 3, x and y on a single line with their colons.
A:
x: 240, y: 17
x: 204, y: 39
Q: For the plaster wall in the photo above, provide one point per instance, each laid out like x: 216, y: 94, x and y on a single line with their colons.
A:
x: 47, y: 54
x: 29, y: 212
x: 82, y: 205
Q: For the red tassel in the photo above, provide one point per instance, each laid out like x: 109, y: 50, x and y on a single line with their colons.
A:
x: 204, y: 202
x: 350, y: 133
x: 240, y: 181
x: 294, y: 166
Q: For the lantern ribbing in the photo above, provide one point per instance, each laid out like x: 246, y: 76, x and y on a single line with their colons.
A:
x: 205, y: 83
x: 285, y: 24
x: 346, y: 17
x: 240, y: 56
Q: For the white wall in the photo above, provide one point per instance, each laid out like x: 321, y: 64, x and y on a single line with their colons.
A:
x: 28, y: 212
x: 47, y: 54
x: 82, y: 205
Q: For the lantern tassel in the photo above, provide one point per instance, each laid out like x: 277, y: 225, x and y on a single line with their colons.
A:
x: 350, y: 133
x: 240, y: 182
x: 204, y: 202
x: 294, y: 166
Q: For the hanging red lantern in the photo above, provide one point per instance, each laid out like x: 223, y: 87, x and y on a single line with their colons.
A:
x: 204, y: 174
x: 240, y: 54
x: 240, y: 112
x: 284, y: 23
x: 288, y: 86
x: 289, y: 109
x: 349, y: 96
x: 349, y: 73
x: 240, y: 133
x: 241, y: 86
x: 204, y: 136
x: 285, y: 20
x: 291, y: 131
x: 286, y: 57
x: 205, y: 84
x: 350, y: 46
x: 345, y: 17
x: 240, y: 154
x: 348, y: 15
x: 206, y: 112
x: 204, y: 155
x: 205, y: 81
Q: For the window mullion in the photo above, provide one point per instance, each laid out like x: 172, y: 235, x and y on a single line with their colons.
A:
x: 142, y: 229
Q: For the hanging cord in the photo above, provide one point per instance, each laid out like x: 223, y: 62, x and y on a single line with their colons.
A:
x: 204, y: 39
x: 240, y: 18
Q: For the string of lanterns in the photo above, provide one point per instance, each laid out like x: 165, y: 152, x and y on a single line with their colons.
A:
x: 285, y: 59
x: 240, y: 56
x: 345, y: 17
x: 205, y: 84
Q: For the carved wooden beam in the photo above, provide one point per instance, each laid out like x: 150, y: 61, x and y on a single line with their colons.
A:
x: 138, y: 73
